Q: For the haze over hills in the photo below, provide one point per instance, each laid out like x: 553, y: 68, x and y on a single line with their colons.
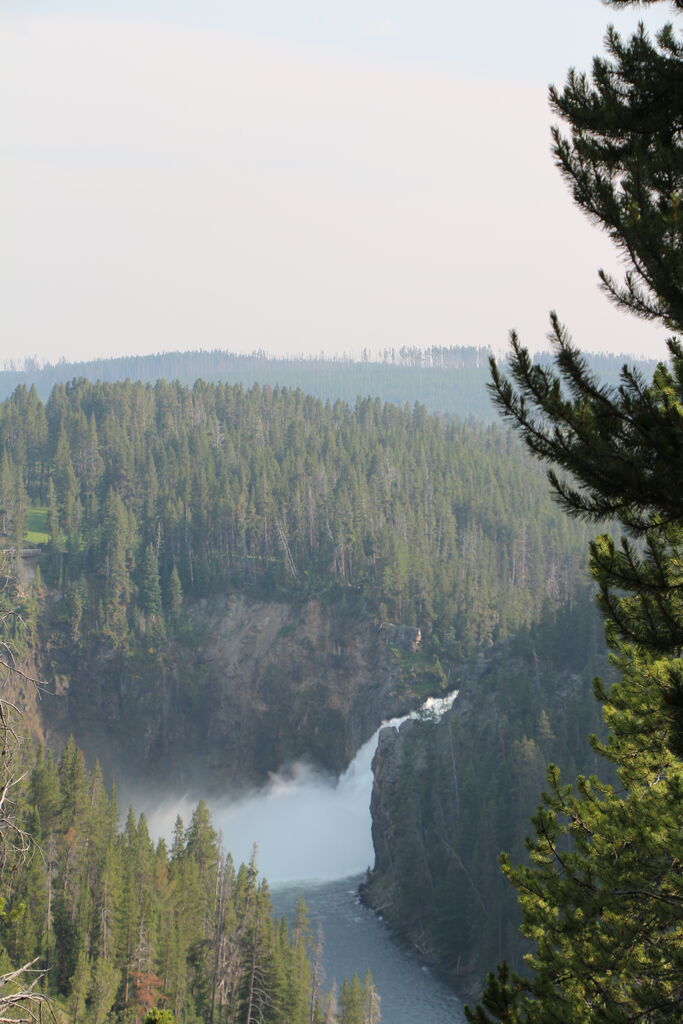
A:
x: 444, y: 380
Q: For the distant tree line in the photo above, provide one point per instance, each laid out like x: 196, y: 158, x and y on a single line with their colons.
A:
x: 445, y: 379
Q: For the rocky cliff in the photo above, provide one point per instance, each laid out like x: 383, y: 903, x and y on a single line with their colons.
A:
x: 449, y: 796
x: 249, y: 687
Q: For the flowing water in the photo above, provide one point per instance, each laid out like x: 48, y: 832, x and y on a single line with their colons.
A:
x: 312, y: 834
x: 355, y: 940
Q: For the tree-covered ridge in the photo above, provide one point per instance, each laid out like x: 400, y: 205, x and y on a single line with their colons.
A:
x: 445, y: 380
x: 122, y: 924
x: 156, y: 491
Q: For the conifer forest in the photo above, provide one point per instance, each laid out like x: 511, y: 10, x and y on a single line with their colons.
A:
x: 223, y: 574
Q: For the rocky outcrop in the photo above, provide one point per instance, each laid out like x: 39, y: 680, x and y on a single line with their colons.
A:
x: 255, y: 685
x: 449, y: 796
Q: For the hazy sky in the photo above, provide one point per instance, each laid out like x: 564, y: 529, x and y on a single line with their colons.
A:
x: 293, y: 175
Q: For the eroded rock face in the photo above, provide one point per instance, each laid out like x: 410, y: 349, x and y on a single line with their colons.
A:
x: 450, y: 795
x: 263, y: 684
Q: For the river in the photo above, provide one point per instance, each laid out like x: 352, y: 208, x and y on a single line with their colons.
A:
x: 312, y: 834
x: 355, y: 940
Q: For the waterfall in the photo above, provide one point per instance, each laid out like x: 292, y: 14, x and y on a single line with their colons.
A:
x: 306, y: 825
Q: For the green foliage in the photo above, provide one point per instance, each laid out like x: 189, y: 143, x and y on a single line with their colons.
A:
x: 422, y: 671
x: 150, y: 585
x: 601, y: 898
x: 159, y: 1017
x: 174, y: 597
x: 131, y: 931
x: 500, y: 1001
x: 20, y: 998
x: 358, y: 1001
x: 624, y: 164
x: 156, y: 494
x: 37, y: 529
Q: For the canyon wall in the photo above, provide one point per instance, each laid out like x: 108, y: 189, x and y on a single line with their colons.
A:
x: 246, y: 688
x: 450, y: 795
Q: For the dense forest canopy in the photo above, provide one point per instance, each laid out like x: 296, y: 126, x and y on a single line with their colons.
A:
x: 152, y: 492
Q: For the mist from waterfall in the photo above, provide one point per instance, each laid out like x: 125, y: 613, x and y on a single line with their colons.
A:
x: 305, y: 825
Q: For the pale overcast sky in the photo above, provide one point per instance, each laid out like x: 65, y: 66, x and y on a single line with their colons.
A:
x: 293, y: 175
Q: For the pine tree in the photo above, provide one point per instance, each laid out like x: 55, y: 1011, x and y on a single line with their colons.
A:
x: 116, y: 563
x: 371, y: 1001
x: 351, y: 1002
x: 255, y: 1000
x: 174, y: 596
x: 624, y: 162
x: 602, y: 898
x: 150, y: 587
x: 57, y: 541
x: 79, y: 989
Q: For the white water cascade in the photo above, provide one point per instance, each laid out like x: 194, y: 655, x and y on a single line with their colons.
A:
x: 313, y: 838
x: 305, y: 825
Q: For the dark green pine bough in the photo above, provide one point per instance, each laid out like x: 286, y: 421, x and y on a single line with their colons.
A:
x: 602, y: 899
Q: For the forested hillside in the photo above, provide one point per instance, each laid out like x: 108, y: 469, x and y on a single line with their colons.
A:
x: 101, y: 922
x: 150, y: 492
x: 171, y: 523
x: 445, y: 380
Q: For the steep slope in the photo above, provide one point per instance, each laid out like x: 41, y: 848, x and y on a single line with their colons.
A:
x: 216, y: 566
x: 248, y: 687
x: 449, y: 796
